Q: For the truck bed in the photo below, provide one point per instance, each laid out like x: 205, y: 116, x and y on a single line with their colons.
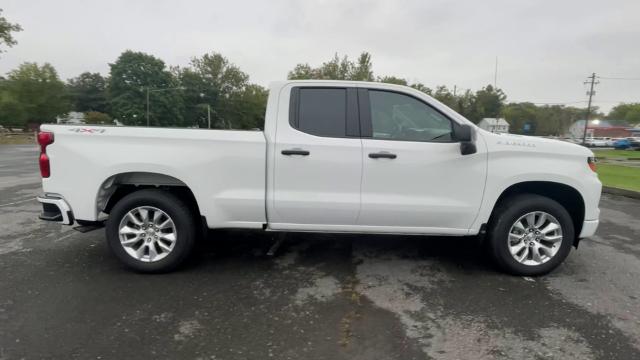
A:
x: 226, y: 168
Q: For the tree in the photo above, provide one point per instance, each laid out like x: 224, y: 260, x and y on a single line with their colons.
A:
x: 248, y: 107
x: 488, y: 103
x: 633, y: 116
x: 212, y: 80
x: 466, y: 104
x: 520, y: 114
x: 12, y: 113
x: 392, y: 80
x: 88, y: 92
x: 543, y: 120
x: 36, y: 94
x: 132, y: 77
x: 336, y: 69
x: 445, y: 96
x: 422, y: 87
x: 223, y: 76
x: 193, y: 96
x: 303, y: 72
x: 362, y: 70
x: 6, y: 30
x: 97, y: 118
x: 625, y: 113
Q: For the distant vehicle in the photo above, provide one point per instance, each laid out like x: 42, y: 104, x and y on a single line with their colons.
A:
x: 346, y: 157
x: 596, y: 141
x: 629, y: 143
x: 571, y: 140
x: 612, y: 141
x: 622, y: 144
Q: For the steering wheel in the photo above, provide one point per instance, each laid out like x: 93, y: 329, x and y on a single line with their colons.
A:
x: 399, y: 127
x: 398, y: 131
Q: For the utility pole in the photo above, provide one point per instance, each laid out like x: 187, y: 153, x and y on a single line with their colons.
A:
x: 147, y: 106
x: 495, y: 76
x: 592, y: 81
x: 202, y: 96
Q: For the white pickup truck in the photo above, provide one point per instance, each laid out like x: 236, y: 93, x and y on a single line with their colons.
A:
x: 334, y: 156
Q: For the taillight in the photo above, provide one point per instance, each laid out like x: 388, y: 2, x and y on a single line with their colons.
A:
x: 44, y: 138
x: 592, y: 163
x: 45, y: 170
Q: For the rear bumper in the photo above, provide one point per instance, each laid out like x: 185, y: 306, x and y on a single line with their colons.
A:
x: 55, y: 209
x: 589, y: 228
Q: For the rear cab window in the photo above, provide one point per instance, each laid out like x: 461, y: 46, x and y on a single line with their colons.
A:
x: 324, y: 111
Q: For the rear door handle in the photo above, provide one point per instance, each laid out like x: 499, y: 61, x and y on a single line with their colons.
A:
x: 295, y: 152
x: 382, y: 155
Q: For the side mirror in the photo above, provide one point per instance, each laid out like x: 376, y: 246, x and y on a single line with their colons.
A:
x: 464, y: 134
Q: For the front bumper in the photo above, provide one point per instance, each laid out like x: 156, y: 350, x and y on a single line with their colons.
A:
x: 55, y: 209
x: 589, y: 228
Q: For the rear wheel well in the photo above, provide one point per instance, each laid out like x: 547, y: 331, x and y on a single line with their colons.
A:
x: 565, y: 195
x: 118, y: 186
x: 182, y: 192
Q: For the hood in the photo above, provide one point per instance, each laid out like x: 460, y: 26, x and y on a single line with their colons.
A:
x: 533, y: 144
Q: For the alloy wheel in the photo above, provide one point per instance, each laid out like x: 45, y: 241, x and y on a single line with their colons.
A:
x: 535, y: 238
x: 147, y: 233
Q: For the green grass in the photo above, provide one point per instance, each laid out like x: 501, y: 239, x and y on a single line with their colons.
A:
x: 16, y: 139
x: 613, y: 154
x: 624, y: 177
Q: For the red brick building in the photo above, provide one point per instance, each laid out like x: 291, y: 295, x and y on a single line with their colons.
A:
x: 599, y: 128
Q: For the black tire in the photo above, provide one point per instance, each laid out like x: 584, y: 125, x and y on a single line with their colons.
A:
x: 179, y: 212
x: 507, y: 213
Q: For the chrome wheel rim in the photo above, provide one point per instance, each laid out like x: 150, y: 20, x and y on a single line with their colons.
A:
x: 535, y: 238
x: 147, y: 234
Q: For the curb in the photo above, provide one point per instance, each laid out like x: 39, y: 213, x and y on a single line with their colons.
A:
x: 622, y: 192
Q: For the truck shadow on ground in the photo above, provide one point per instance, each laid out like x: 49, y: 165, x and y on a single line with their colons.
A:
x: 457, y: 253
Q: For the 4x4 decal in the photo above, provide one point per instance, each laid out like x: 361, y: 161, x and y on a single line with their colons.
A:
x: 88, y: 131
x: 515, y: 143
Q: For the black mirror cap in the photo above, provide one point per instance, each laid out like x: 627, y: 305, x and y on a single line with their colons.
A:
x: 465, y: 135
x: 468, y: 148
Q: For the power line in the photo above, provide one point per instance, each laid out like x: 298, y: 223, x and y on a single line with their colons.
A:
x: 615, y: 101
x: 548, y: 103
x: 594, y: 101
x: 618, y: 78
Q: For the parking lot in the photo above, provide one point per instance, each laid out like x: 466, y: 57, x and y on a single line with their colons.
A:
x: 62, y: 294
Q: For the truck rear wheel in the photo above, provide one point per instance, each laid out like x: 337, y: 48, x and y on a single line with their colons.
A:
x: 530, y: 235
x: 151, y: 231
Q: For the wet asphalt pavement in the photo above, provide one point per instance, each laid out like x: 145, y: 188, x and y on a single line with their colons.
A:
x: 63, y: 296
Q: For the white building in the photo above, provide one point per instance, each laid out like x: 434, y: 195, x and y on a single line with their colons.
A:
x: 498, y: 125
x: 72, y: 117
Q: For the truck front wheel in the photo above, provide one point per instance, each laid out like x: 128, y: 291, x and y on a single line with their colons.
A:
x: 530, y: 234
x: 151, y: 231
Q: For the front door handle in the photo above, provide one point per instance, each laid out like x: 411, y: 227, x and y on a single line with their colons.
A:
x: 295, y: 152
x: 382, y: 155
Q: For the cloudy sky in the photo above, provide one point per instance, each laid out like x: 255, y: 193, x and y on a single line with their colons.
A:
x: 545, y: 49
